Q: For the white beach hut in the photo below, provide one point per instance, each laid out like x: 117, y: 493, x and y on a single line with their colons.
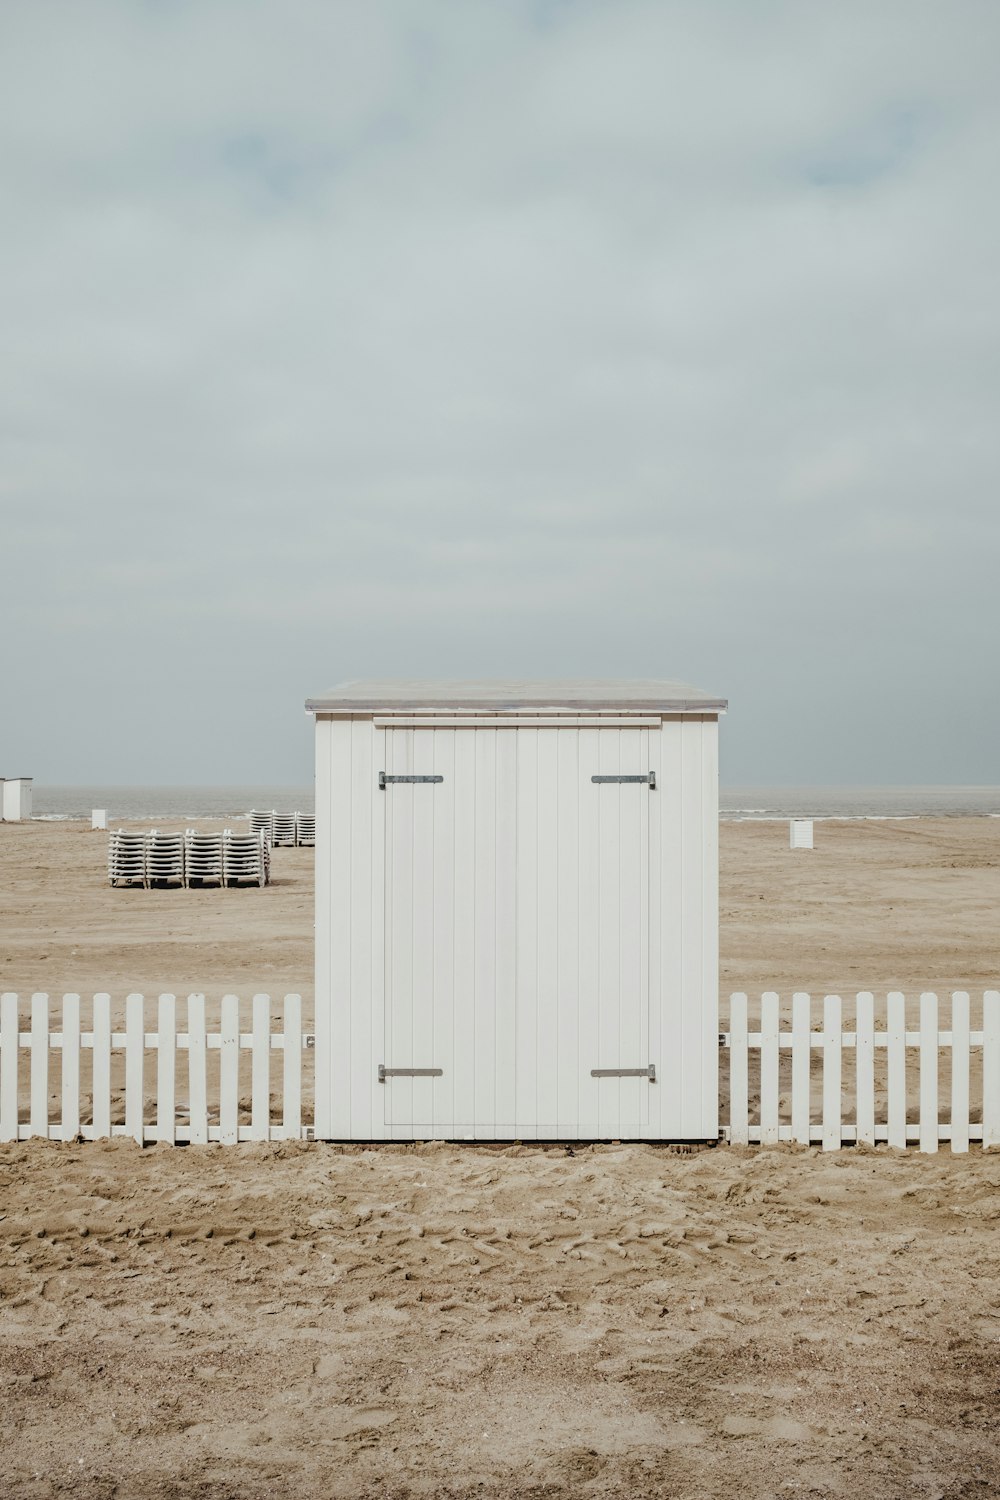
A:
x: 17, y: 799
x: 516, y: 910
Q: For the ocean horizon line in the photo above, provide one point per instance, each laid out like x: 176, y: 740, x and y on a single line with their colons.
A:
x: 739, y: 802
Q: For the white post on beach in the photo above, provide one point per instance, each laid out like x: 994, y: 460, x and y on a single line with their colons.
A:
x: 99, y: 817
x: 800, y: 831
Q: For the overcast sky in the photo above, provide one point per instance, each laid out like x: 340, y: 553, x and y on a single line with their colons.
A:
x: 542, y: 337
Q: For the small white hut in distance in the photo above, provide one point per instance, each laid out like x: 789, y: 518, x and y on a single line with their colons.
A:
x: 16, y: 799
x: 516, y: 911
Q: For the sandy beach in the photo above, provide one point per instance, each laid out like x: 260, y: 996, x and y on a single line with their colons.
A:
x: 441, y: 1321
x: 876, y: 905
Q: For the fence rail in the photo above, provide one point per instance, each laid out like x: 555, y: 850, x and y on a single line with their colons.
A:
x: 885, y: 1108
x: 215, y: 1108
x: 780, y: 1079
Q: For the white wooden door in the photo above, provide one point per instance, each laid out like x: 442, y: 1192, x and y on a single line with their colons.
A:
x: 583, y: 911
x: 449, y: 932
x: 517, y: 932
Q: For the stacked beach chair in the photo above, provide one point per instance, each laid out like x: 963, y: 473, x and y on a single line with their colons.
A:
x: 127, y: 858
x: 262, y: 822
x: 164, y: 858
x: 285, y: 829
x: 203, y: 863
x: 245, y: 857
x: 188, y: 859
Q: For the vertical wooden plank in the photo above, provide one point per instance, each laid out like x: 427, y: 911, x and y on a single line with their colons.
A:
x: 197, y: 1069
x: 675, y: 1107
x: 375, y: 1030
x: 960, y: 1071
x: 529, y: 837
x: 291, y: 1114
x: 399, y: 886
x: 739, y: 1072
x: 589, y: 897
x: 166, y: 1069
x: 547, y: 973
x: 38, y: 1115
x: 135, y: 1027
x: 567, y: 1057
x: 506, y: 928
x: 801, y: 1067
x: 328, y: 846
x: 443, y: 917
x: 991, y: 1069
x: 658, y: 1033
x: 707, y: 1010
x: 695, y: 1001
x: 832, y: 1093
x: 260, y: 1069
x: 633, y: 919
x: 610, y: 936
x: 769, y: 1134
x: 70, y: 1067
x: 864, y: 1067
x: 335, y: 1009
x: 360, y: 1016
x: 464, y: 1047
x: 424, y: 939
x: 9, y: 1032
x: 102, y: 1066
x: 928, y: 1072
x: 896, y: 1067
x: 229, y: 1071
x: 485, y: 1118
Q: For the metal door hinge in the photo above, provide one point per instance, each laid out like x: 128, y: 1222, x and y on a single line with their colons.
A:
x: 384, y: 780
x: 384, y: 1072
x: 649, y: 779
x: 649, y: 1072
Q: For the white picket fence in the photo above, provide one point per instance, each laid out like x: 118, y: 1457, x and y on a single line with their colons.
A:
x: 885, y: 1106
x: 785, y: 1080
x: 153, y: 1108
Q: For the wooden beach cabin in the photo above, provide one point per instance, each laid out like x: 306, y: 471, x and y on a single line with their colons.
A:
x: 516, y: 910
x: 16, y: 807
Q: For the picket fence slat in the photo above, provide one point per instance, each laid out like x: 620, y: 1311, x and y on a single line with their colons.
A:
x: 197, y: 1071
x: 864, y: 1067
x: 896, y: 1083
x: 166, y: 1069
x: 739, y: 1066
x: 261, y: 1068
x: 769, y: 1068
x: 8, y: 1066
x: 292, y: 1068
x: 70, y: 1101
x: 38, y: 1116
x: 991, y: 1068
x: 801, y: 1067
x: 928, y: 1073
x: 960, y: 1071
x: 101, y: 1042
x: 229, y: 1065
x: 832, y: 1055
x: 135, y: 1034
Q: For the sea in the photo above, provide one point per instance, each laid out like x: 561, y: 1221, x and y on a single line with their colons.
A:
x: 737, y: 803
